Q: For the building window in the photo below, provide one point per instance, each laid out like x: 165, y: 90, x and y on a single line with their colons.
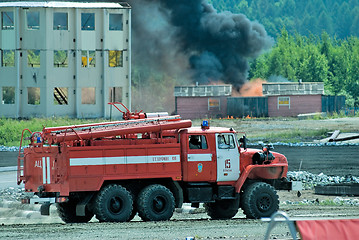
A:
x: 115, y: 94
x: 60, y: 21
x: 60, y: 59
x: 214, y: 104
x: 61, y: 96
x: 8, y: 95
x: 284, y: 101
x: 88, y: 21
x: 88, y: 95
x: 33, y: 95
x: 115, y: 58
x: 33, y: 58
x: 7, y: 58
x: 88, y: 58
x: 7, y: 20
x: 33, y: 20
x: 115, y: 22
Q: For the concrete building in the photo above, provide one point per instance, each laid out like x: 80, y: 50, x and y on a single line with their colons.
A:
x: 291, y: 99
x: 202, y: 101
x: 64, y: 58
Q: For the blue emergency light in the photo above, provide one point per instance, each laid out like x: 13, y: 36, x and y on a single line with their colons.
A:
x: 205, y: 124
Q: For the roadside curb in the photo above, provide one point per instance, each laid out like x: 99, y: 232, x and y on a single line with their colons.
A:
x: 8, y: 169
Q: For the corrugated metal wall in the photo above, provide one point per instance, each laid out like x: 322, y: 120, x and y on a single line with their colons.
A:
x: 247, y: 106
x: 333, y: 103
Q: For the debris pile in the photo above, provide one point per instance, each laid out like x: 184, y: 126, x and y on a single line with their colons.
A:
x: 336, y: 201
x: 8, y: 149
x: 310, y: 180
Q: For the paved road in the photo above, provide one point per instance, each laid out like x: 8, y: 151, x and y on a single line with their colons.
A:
x: 330, y: 160
x: 8, y: 178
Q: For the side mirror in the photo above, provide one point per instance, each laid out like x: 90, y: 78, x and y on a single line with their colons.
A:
x: 243, y: 141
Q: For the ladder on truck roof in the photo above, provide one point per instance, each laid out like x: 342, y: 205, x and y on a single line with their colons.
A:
x: 55, y: 135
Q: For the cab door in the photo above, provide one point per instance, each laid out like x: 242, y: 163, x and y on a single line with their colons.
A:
x: 200, y: 164
x: 227, y: 157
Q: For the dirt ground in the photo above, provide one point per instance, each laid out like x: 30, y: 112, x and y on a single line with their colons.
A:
x: 182, y: 225
x: 26, y: 225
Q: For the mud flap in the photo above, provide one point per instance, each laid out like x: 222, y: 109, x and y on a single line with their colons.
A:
x: 45, y: 209
x: 81, y: 206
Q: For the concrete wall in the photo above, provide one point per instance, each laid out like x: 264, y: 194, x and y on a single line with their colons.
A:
x: 203, y: 90
x: 305, y: 88
x: 298, y: 104
x: 75, y: 77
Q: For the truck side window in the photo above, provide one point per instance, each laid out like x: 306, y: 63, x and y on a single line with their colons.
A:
x: 225, y: 141
x: 197, y: 142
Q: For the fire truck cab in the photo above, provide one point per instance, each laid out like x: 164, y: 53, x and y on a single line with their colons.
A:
x: 149, y: 166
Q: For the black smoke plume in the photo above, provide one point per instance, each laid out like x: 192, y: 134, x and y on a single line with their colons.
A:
x: 189, y: 38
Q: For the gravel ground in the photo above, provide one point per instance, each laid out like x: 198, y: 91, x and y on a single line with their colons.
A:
x: 181, y: 226
x: 25, y: 222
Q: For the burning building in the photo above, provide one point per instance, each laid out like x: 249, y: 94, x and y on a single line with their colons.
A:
x: 64, y: 58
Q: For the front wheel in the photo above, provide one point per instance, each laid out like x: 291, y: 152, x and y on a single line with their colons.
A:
x: 155, y: 203
x: 260, y: 200
x: 222, y: 209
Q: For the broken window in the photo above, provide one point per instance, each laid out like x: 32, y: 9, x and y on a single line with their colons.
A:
x: 7, y: 58
x: 214, y: 104
x: 88, y: 95
x: 33, y: 95
x: 92, y: 58
x: 8, y: 95
x: 88, y: 58
x: 115, y: 22
x: 88, y: 21
x: 7, y: 20
x: 60, y: 21
x: 283, y: 101
x: 115, y: 58
x: 61, y: 96
x: 33, y: 20
x: 115, y: 94
x: 60, y: 59
x: 33, y: 58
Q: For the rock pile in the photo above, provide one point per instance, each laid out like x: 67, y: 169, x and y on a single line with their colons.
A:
x: 310, y: 180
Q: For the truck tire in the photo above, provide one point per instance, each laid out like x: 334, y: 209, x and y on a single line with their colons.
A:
x: 133, y: 213
x: 222, y: 209
x: 113, y: 204
x: 155, y: 203
x: 67, y: 212
x: 260, y: 200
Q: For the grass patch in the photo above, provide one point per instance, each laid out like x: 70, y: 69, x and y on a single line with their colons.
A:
x: 10, y: 129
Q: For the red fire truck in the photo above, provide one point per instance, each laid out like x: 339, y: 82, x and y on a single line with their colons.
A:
x: 149, y: 165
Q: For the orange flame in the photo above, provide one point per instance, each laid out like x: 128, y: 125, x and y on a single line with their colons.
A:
x: 252, y: 88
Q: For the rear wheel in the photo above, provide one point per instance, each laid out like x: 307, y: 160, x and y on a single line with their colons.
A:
x: 260, y: 200
x: 155, y: 203
x: 222, y: 209
x: 113, y: 204
x: 67, y: 212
